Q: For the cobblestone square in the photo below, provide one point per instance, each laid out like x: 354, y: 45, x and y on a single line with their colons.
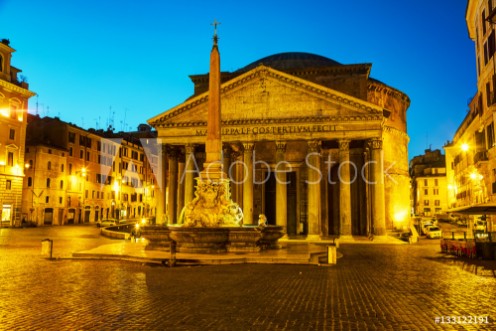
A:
x: 372, y: 287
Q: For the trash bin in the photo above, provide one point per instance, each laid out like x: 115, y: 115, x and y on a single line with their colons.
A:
x: 331, y: 254
x: 47, y: 248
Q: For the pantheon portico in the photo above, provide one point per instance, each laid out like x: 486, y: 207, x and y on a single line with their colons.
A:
x: 317, y: 146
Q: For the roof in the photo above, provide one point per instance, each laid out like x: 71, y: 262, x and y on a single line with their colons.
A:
x: 291, y: 60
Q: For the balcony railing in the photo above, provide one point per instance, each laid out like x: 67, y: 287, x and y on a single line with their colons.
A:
x: 480, y: 156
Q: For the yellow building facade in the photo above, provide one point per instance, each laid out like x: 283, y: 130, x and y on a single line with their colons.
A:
x: 14, y: 95
x: 316, y: 146
x: 471, y: 156
x: 82, y: 176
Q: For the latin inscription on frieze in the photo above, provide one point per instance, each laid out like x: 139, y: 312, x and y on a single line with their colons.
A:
x: 276, y: 130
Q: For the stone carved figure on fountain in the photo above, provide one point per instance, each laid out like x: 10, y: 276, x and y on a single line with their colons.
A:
x: 212, y: 206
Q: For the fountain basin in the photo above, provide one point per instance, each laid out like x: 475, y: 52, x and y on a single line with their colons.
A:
x: 157, y: 236
x: 225, y: 239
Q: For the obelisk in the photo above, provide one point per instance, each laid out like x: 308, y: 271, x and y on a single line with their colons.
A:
x: 212, y: 205
x: 213, y: 145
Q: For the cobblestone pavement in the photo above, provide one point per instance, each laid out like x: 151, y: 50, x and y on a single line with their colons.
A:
x: 373, y: 287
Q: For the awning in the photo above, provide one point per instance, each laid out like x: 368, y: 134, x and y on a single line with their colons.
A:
x: 482, y: 209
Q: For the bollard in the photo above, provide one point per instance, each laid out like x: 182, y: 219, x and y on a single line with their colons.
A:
x: 331, y: 254
x: 172, y: 260
x: 47, y: 248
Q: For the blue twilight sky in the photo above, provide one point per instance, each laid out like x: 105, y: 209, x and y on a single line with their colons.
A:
x: 95, y: 61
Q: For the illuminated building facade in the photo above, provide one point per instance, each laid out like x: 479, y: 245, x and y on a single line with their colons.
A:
x: 317, y: 146
x: 81, y: 176
x: 14, y: 95
x: 429, y: 188
x: 471, y: 156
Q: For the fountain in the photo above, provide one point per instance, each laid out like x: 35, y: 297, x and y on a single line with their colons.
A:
x: 212, y: 222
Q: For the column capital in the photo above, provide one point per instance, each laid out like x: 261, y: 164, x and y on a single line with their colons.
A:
x: 172, y: 151
x: 281, y: 146
x: 314, y: 145
x: 189, y: 148
x: 375, y: 143
x: 226, y: 148
x: 344, y: 144
x: 248, y: 147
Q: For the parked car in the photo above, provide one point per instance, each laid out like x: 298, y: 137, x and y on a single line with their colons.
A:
x: 425, y: 226
x: 106, y: 222
x: 433, y: 232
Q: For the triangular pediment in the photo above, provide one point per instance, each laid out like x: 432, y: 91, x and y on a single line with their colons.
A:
x: 267, y: 94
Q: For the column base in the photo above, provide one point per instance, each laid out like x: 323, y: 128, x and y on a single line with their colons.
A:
x: 380, y: 232
x: 313, y: 237
x: 344, y: 239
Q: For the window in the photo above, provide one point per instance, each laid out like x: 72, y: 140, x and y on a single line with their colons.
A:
x: 81, y: 153
x: 31, y: 164
x: 72, y: 137
x: 8, y: 185
x: 60, y: 200
x: 490, y: 135
x: 87, y: 156
x: 12, y: 134
x: 70, y: 168
x: 10, y: 159
x: 426, y: 202
x: 70, y: 151
x: 47, y: 199
x: 49, y: 151
x: 61, y: 168
x: 426, y: 192
x: 436, y: 182
x: 437, y: 202
x: 30, y: 181
x: 86, y: 194
x: 61, y: 184
x: 49, y: 165
x: 1, y: 63
x: 436, y: 191
x: 48, y: 182
x: 425, y: 182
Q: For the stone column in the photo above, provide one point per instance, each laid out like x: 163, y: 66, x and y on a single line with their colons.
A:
x: 180, y: 187
x: 378, y: 196
x: 162, y: 184
x: 189, y: 175
x: 314, y: 179
x: 281, y: 186
x: 172, y: 185
x: 344, y: 187
x: 226, y: 158
x: 236, y: 174
x: 248, y: 183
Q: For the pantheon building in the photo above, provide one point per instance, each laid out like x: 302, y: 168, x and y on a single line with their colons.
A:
x: 317, y: 146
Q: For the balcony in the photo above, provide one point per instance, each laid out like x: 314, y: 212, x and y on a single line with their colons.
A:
x: 480, y: 157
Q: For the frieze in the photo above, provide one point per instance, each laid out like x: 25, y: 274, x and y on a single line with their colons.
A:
x: 276, y: 130
x: 256, y: 121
